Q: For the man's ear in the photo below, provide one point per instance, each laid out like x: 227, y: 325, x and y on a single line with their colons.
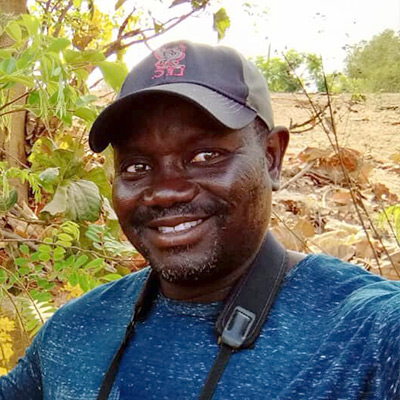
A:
x: 275, y: 147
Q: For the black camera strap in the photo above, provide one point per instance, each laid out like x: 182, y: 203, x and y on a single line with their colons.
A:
x: 240, y: 322
x: 140, y: 311
x: 247, y: 308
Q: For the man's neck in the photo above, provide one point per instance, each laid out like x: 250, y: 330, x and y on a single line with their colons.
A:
x: 202, y: 292
x: 216, y: 290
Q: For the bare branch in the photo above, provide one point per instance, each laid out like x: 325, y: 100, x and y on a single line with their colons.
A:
x: 297, y: 176
x: 125, y: 22
x: 118, y: 45
x: 15, y: 100
x: 13, y: 157
x: 61, y: 18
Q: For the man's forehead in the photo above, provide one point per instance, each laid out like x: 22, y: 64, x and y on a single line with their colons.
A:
x: 164, y: 114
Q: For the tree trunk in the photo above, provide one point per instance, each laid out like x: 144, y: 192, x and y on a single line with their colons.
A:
x: 12, y: 140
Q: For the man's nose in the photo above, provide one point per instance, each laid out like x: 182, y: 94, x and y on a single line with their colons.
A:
x: 168, y: 191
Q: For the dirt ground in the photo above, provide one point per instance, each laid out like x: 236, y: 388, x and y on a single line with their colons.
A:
x: 371, y: 127
x: 315, y: 209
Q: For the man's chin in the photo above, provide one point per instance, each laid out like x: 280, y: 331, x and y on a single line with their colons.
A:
x: 181, y: 267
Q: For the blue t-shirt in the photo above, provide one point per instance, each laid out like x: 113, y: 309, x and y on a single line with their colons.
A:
x: 333, y: 333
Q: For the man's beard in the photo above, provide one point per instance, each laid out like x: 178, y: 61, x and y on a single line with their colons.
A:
x: 186, y: 269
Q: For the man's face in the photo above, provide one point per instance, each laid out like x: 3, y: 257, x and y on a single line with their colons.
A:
x: 193, y: 197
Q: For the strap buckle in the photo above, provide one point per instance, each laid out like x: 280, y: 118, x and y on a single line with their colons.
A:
x: 238, y: 327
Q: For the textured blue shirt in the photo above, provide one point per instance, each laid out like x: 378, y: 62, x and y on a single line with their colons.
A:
x: 333, y: 333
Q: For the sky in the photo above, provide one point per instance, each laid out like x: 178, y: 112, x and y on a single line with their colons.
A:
x: 324, y: 27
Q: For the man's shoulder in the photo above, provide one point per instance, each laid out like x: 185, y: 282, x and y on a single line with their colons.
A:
x: 112, y: 296
x: 336, y: 281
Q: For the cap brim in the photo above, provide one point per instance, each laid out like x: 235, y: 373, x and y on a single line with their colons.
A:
x: 227, y: 111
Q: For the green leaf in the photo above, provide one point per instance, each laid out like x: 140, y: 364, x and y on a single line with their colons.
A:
x: 8, y: 202
x: 99, y: 177
x: 93, y: 236
x: 8, y: 66
x: 92, y: 56
x: 80, y: 261
x: 34, y: 98
x: 71, y: 228
x: 63, y: 243
x: 24, y: 270
x: 119, y: 3
x: 83, y: 282
x: 58, y: 205
x: 94, y: 263
x: 77, y: 200
x: 65, y: 237
x: 32, y: 24
x: 222, y: 23
x: 31, y: 324
x: 44, y: 248
x: 58, y: 265
x: 82, y: 74
x: 58, y: 257
x: 14, y: 31
x: 24, y: 249
x: 59, y: 44
x: 35, y: 256
x: 44, y: 257
x: 86, y: 113
x: 86, y: 100
x: 59, y: 250
x: 28, y: 81
x: 50, y: 176
x: 72, y: 56
x: 4, y: 53
x: 21, y: 261
x: 73, y: 278
x: 114, y: 73
x: 109, y: 211
x: 84, y: 201
x: 3, y: 276
x: 111, y: 277
x: 77, y: 3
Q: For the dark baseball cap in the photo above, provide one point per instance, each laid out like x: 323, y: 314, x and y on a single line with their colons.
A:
x: 216, y: 78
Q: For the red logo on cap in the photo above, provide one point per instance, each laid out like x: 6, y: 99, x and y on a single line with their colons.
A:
x: 169, y: 61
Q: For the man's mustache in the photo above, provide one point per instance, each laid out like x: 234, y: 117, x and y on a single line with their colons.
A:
x: 144, y: 215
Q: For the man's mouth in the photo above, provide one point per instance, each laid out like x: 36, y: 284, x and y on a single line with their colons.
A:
x: 184, y: 226
x: 178, y: 230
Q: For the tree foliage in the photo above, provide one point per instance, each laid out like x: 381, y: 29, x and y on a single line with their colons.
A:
x: 66, y: 239
x: 294, y: 69
x: 375, y: 64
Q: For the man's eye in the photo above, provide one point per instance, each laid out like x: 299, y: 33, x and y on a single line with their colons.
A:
x: 205, y: 156
x: 137, y: 168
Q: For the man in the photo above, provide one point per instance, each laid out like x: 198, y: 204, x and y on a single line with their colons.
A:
x: 197, y: 156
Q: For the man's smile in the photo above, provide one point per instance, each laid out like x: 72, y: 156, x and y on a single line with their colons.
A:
x: 178, y: 230
x: 184, y: 226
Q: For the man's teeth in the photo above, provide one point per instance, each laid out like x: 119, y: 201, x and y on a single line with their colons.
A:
x: 179, y: 228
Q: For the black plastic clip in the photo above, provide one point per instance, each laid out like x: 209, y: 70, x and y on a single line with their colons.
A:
x: 238, y: 327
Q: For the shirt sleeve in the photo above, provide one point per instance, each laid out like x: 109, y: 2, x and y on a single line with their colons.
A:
x: 25, y: 380
x: 388, y: 328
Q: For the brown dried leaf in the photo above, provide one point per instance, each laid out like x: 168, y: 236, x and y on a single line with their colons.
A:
x: 287, y: 238
x: 395, y: 157
x: 314, y: 153
x: 342, y: 197
x: 331, y: 244
x: 304, y: 228
x: 382, y: 193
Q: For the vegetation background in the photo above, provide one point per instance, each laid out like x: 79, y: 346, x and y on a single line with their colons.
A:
x: 59, y: 236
